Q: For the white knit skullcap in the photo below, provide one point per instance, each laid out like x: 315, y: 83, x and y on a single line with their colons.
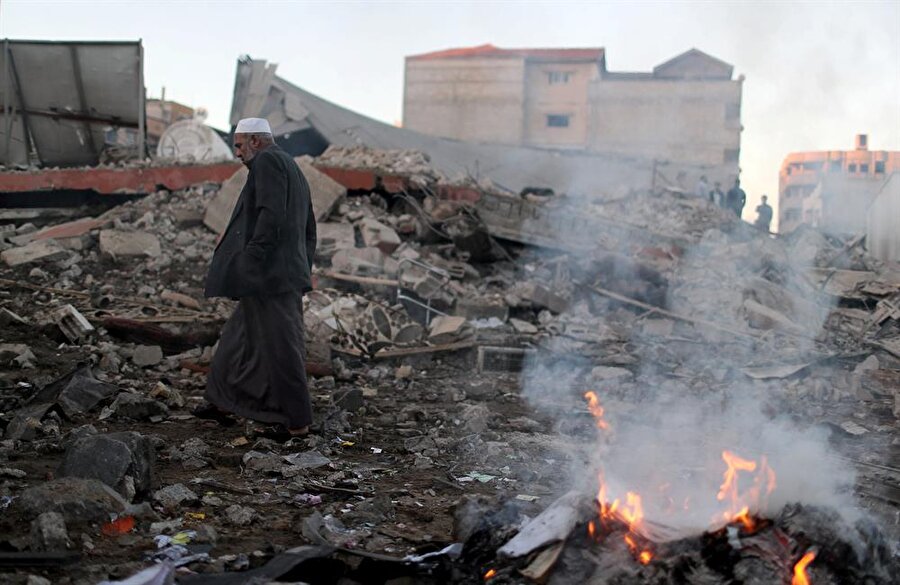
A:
x: 253, y: 126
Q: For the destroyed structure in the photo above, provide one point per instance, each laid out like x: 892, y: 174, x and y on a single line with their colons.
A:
x: 513, y: 381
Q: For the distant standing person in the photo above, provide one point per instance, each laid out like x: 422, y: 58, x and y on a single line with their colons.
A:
x: 702, y: 188
x: 717, y: 196
x: 764, y: 214
x: 264, y: 260
x: 736, y: 198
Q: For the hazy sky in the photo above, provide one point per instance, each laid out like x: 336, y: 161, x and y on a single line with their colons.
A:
x: 816, y: 72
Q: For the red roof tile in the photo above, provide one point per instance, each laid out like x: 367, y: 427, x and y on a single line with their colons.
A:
x: 578, y: 54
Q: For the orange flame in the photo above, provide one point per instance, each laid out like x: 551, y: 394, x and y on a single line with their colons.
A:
x: 596, y: 410
x: 800, y: 577
x: 490, y: 574
x: 739, y: 504
x: 645, y: 557
x: 592, y: 529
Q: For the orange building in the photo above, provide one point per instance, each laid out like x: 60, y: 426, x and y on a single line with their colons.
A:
x: 832, y: 189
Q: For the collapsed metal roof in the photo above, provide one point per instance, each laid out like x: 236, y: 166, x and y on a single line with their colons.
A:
x: 292, y: 110
x: 58, y: 100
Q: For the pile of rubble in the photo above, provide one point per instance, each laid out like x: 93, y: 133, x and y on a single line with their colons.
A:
x: 424, y: 315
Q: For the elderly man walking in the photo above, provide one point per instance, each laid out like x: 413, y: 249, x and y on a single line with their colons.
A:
x: 264, y: 260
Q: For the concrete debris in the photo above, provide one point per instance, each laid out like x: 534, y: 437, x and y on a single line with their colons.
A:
x: 147, y: 355
x: 377, y: 235
x: 48, y: 532
x: 79, y: 501
x: 17, y: 355
x: 173, y: 497
x: 443, y: 361
x: 73, y: 324
x: 39, y: 251
x: 120, y: 244
x: 124, y: 461
x: 445, y: 329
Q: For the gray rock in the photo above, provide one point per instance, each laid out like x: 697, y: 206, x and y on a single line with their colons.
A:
x: 147, y: 355
x: 78, y: 500
x: 238, y: 515
x: 48, y: 532
x: 36, y: 580
x: 112, y: 459
x: 307, y: 460
x: 137, y: 407
x: 262, y: 462
x: 174, y: 496
x: 350, y: 399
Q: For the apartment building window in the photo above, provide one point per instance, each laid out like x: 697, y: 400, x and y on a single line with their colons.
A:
x: 835, y: 166
x: 852, y: 168
x: 864, y: 168
x: 792, y: 215
x: 558, y: 77
x: 879, y: 167
x: 557, y: 120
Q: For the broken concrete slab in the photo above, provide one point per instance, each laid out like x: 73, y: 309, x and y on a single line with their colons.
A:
x: 120, y: 244
x: 326, y: 193
x: 137, y: 407
x: 377, y: 235
x: 363, y: 262
x: 124, y: 461
x: 218, y: 212
x: 172, y: 497
x: 447, y: 329
x: 40, y: 251
x: 187, y: 218
x: 16, y: 354
x: 523, y: 327
x: 75, y: 393
x: 78, y: 500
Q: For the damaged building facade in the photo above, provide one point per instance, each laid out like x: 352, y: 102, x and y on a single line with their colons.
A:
x: 833, y: 189
x: 686, y: 109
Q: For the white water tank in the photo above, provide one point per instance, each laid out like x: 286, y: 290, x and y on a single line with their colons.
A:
x: 192, y: 141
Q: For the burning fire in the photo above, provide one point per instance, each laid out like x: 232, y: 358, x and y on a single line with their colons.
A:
x: 741, y: 503
x: 596, y: 410
x: 800, y: 577
x: 490, y: 574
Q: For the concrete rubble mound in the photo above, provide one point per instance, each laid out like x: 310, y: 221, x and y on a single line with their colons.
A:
x: 451, y: 341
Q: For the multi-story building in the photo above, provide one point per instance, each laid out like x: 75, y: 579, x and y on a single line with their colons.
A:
x: 833, y: 189
x: 687, y: 110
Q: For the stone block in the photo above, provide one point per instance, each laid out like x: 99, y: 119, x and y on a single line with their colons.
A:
x: 448, y: 329
x: 147, y: 355
x: 78, y: 500
x: 118, y: 244
x: 48, y: 533
x: 377, y: 235
x: 38, y: 251
x: 112, y: 458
